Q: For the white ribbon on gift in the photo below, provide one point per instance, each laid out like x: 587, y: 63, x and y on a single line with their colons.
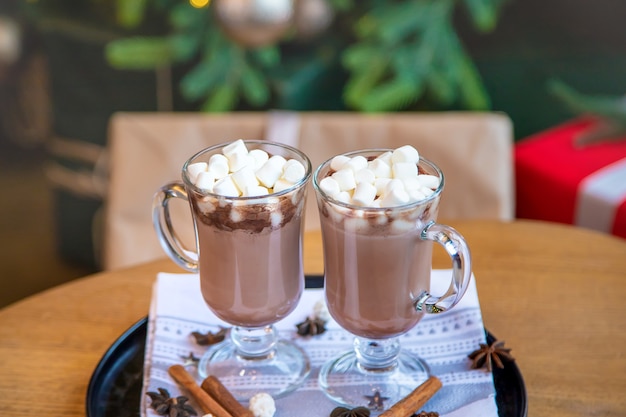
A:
x: 283, y: 127
x: 599, y: 195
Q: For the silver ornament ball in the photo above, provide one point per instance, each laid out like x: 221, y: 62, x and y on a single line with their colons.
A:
x: 312, y: 17
x: 254, y: 23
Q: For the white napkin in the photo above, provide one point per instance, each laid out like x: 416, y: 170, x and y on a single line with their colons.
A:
x: 443, y: 341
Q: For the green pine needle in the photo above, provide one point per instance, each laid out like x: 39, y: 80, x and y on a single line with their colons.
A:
x: 223, y: 99
x: 392, y: 96
x: 254, y: 86
x: 393, y: 52
x: 610, y: 107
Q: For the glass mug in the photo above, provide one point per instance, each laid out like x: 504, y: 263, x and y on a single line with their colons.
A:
x: 377, y: 267
x: 249, y: 258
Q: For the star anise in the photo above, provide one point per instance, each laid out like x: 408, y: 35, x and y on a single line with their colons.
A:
x: 164, y: 405
x: 346, y: 412
x: 210, y: 338
x: 377, y: 401
x: 311, y: 326
x: 426, y: 414
x: 491, y: 354
x: 190, y: 360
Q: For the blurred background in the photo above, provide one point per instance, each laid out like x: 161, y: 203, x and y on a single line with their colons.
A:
x: 67, y: 65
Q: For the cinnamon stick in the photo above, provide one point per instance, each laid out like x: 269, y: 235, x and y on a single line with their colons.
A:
x: 214, y: 387
x: 416, y: 399
x: 208, y: 404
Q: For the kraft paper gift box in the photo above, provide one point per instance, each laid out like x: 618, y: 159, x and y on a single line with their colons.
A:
x: 146, y: 150
x: 560, y: 181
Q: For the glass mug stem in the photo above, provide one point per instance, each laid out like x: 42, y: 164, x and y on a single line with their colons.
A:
x: 377, y: 355
x: 254, y: 343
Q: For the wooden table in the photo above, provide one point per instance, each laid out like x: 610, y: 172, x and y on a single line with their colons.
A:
x: 554, y: 293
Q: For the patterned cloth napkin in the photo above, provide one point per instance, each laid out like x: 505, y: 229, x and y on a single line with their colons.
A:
x: 442, y: 340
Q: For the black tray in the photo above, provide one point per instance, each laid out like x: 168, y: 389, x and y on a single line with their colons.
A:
x: 115, y: 386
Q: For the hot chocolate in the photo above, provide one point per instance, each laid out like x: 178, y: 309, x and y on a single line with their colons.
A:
x: 248, y: 206
x: 378, y: 211
x: 247, y: 201
x: 250, y: 256
x: 373, y: 274
x: 376, y: 263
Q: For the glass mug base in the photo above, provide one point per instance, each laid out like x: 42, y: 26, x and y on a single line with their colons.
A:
x: 277, y: 373
x: 348, y: 384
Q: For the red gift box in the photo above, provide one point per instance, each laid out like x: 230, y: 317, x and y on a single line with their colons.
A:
x: 559, y: 181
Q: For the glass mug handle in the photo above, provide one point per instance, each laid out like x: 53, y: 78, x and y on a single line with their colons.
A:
x: 164, y: 228
x: 458, y: 250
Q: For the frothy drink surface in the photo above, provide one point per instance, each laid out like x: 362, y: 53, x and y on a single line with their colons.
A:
x: 250, y: 269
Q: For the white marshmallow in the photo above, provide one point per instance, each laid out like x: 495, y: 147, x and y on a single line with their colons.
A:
x: 400, y: 226
x: 393, y: 184
x: 335, y: 213
x: 430, y: 181
x: 389, y: 180
x: 416, y: 194
x: 365, y: 175
x: 269, y: 173
x: 381, y: 185
x: 330, y: 186
x: 237, y: 147
x: 364, y: 194
x: 345, y: 179
x: 205, y: 180
x: 276, y: 218
x: 403, y: 170
x: 206, y: 205
x: 194, y: 169
x: 337, y: 162
x: 255, y: 190
x: 427, y: 191
x: 406, y: 153
x: 293, y: 171
x: 235, y: 215
x: 386, y: 157
x: 382, y: 217
x: 297, y: 200
x: 281, y: 185
x: 251, y: 162
x: 259, y: 156
x: 244, y: 178
x: 218, y: 165
x: 238, y: 161
x: 355, y: 224
x: 237, y: 154
x: 262, y: 405
x: 278, y: 161
x: 411, y: 183
x: 380, y: 168
x: 395, y: 197
x: 356, y: 163
x: 320, y: 310
x: 343, y: 197
x: 226, y: 187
